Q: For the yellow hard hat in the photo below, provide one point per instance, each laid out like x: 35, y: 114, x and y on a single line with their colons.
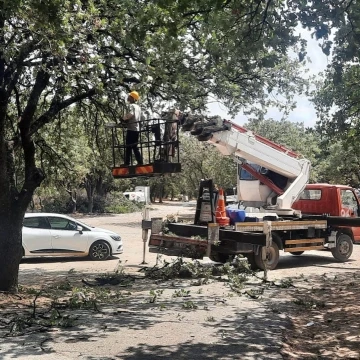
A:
x: 135, y: 95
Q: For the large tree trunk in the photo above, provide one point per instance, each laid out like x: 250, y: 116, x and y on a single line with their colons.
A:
x: 90, y: 184
x: 102, y: 187
x: 161, y: 194
x: 161, y: 190
x: 13, y: 205
x: 90, y: 203
x: 73, y: 200
x: 10, y: 248
x: 11, y: 216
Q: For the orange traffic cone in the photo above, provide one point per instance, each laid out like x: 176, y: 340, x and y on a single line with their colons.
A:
x: 220, y: 215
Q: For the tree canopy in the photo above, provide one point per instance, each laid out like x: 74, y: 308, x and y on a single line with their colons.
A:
x: 56, y: 55
x: 336, y: 95
x: 59, y: 58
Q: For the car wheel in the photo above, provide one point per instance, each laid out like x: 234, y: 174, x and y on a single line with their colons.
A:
x: 99, y: 250
x: 343, y: 249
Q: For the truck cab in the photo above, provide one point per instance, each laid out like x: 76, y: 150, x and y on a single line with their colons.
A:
x: 333, y: 200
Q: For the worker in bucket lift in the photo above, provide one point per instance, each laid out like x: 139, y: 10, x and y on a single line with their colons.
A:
x: 133, y: 119
x: 173, y: 117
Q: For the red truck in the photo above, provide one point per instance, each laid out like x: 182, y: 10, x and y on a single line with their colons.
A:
x: 333, y: 200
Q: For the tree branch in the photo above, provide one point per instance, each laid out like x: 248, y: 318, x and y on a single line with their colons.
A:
x: 56, y: 107
x: 12, y: 74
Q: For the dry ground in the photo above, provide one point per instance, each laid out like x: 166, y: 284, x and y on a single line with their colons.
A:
x: 325, y: 317
x: 311, y: 311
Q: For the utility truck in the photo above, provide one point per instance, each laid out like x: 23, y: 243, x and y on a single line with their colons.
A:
x: 280, y: 210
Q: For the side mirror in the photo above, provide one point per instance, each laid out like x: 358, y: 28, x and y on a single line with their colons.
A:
x: 79, y: 229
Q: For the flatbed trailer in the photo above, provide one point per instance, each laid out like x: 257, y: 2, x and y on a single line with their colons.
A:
x: 259, y: 241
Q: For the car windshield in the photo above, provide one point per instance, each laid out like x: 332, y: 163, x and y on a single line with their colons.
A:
x: 83, y: 224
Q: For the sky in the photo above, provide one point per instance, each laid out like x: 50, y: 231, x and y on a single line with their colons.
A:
x: 305, y: 111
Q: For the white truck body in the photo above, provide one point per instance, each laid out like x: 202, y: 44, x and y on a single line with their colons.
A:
x: 249, y: 150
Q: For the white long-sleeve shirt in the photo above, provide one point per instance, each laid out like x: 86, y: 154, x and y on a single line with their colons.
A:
x: 133, y: 122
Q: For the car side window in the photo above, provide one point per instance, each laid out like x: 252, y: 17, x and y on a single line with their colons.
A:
x: 36, y: 222
x: 58, y: 223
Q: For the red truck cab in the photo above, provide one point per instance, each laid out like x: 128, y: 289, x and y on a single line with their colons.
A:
x: 334, y: 200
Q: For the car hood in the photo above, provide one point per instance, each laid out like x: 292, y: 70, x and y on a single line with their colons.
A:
x: 97, y: 229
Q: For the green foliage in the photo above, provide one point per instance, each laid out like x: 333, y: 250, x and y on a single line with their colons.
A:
x: 83, y: 298
x: 286, y: 283
x: 336, y: 97
x: 64, y: 285
x: 114, y: 202
x: 65, y: 68
x: 95, y: 52
x: 28, y: 290
x: 117, y: 203
x: 198, y: 161
x: 235, y: 274
x: 201, y: 161
x: 57, y: 204
x: 154, y: 294
x: 309, y: 303
x: 181, y: 293
x: 189, y: 305
x: 341, y: 164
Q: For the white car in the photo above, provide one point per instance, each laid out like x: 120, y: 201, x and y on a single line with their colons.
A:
x: 60, y: 235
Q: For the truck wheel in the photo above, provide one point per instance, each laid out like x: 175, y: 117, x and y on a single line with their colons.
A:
x: 251, y: 261
x: 272, y: 258
x: 343, y: 249
x: 219, y: 257
x: 297, y: 253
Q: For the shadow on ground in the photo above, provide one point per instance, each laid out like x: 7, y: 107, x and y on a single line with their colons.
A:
x: 324, y: 312
x: 306, y: 259
x: 49, y: 260
x: 183, y: 322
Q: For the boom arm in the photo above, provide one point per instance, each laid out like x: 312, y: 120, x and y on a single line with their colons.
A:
x: 232, y: 139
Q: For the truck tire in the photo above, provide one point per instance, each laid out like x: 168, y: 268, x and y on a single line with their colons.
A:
x: 251, y: 261
x: 220, y: 257
x: 273, y: 257
x: 343, y: 249
x: 297, y: 253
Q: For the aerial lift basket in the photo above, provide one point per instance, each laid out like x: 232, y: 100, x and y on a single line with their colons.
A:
x: 160, y: 154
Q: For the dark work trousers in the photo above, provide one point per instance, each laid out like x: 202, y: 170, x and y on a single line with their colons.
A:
x: 132, y: 139
x: 155, y: 129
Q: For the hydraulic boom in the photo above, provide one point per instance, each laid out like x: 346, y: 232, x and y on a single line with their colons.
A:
x: 270, y: 175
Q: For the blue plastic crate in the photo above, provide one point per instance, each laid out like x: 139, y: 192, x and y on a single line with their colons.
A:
x: 236, y: 215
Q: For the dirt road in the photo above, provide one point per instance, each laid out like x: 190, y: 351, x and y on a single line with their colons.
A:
x: 129, y: 227
x: 177, y: 319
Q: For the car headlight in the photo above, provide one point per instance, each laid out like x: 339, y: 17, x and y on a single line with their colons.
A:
x: 115, y: 237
